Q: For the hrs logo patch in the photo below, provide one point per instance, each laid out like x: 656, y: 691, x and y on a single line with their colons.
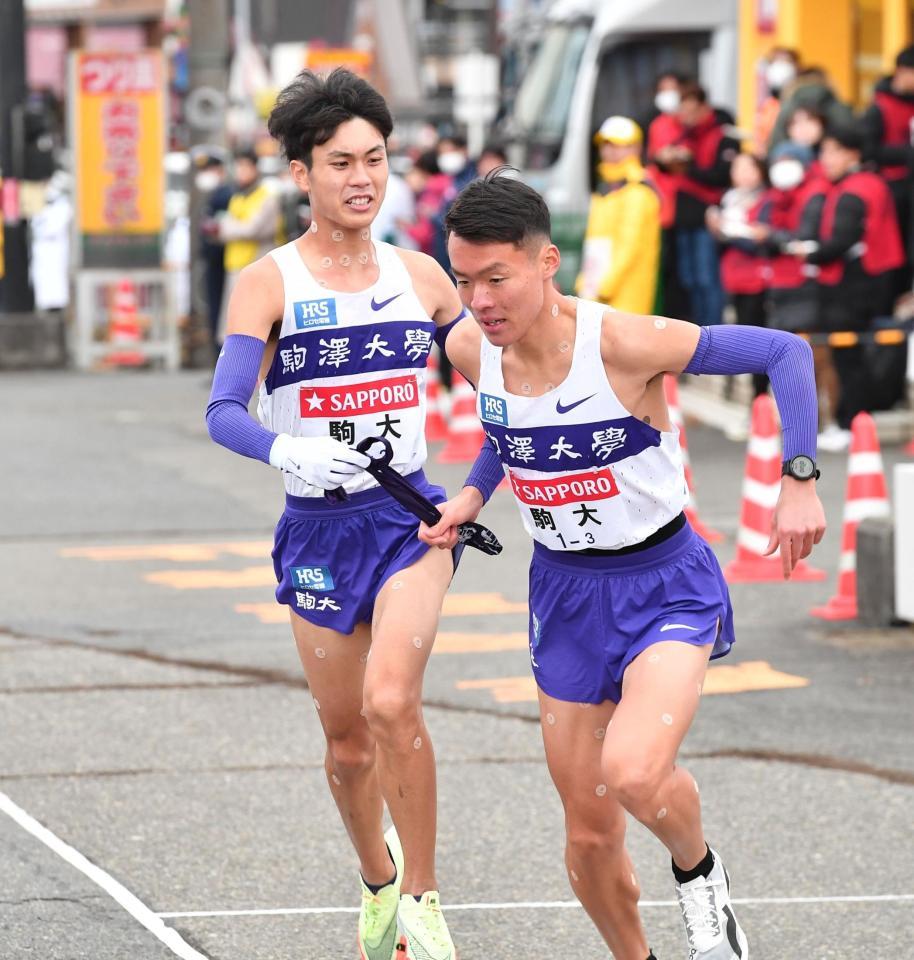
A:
x: 494, y: 409
x: 311, y: 578
x: 314, y: 313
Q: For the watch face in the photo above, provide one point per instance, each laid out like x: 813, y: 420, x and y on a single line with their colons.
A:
x: 802, y: 467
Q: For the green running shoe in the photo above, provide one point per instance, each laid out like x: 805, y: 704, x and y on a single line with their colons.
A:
x: 378, y: 915
x: 422, y: 933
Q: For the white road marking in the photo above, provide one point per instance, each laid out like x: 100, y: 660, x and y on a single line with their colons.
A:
x: 535, y: 905
x: 120, y: 894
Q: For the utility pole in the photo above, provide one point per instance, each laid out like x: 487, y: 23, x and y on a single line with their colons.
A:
x: 15, y: 292
x: 206, y: 113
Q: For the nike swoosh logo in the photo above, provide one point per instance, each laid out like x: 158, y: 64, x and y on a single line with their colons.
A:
x: 380, y: 306
x: 677, y: 626
x: 562, y: 408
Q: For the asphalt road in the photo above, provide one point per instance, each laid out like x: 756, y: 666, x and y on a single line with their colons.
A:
x: 153, y: 719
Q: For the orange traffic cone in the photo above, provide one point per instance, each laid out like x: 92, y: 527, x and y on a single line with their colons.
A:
x: 761, y: 488
x: 466, y: 435
x: 867, y: 496
x: 671, y: 391
x: 124, y: 331
x: 435, y: 424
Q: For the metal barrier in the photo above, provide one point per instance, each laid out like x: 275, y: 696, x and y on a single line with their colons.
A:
x: 121, y: 314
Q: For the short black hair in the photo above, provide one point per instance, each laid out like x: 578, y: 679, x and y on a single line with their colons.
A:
x: 499, y: 209
x: 847, y: 136
x: 246, y: 153
x: 427, y: 162
x: 309, y: 110
x: 905, y: 58
x: 693, y: 91
x: 496, y: 149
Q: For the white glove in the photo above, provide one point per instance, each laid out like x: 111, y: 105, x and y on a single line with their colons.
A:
x: 321, y: 461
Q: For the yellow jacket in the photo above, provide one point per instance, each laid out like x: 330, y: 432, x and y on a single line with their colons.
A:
x: 621, y: 255
x: 250, y: 227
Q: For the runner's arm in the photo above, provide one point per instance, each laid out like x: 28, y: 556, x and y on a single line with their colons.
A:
x: 651, y: 345
x: 256, y: 302
x: 799, y: 520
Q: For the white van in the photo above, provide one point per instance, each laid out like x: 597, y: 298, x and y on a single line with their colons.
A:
x: 597, y: 58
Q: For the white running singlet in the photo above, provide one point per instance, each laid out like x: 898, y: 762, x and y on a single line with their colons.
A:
x: 585, y: 473
x: 351, y: 365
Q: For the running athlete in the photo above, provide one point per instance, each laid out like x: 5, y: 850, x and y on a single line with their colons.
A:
x: 627, y: 604
x: 338, y: 329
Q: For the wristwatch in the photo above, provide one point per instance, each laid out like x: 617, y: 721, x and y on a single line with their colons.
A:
x: 800, y: 467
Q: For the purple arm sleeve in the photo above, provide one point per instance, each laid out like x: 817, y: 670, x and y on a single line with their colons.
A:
x: 442, y: 332
x: 788, y: 362
x: 227, y: 414
x: 486, y: 472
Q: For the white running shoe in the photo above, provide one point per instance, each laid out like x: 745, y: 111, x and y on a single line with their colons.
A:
x: 422, y: 933
x: 833, y: 439
x: 378, y: 914
x: 711, y: 928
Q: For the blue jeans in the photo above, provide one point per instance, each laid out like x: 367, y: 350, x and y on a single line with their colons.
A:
x: 699, y: 272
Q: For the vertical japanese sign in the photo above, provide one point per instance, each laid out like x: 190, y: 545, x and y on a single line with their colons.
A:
x: 118, y: 123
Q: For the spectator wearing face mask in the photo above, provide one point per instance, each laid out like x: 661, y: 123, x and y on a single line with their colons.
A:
x: 858, y: 247
x: 889, y: 130
x: 622, y: 243
x: 697, y: 157
x: 780, y: 71
x: 660, y: 125
x: 787, y: 225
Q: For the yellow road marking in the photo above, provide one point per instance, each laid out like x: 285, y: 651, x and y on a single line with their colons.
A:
x: 173, y: 552
x: 213, y: 579
x: 479, y: 642
x: 467, y: 604
x: 265, y: 612
x: 739, y: 678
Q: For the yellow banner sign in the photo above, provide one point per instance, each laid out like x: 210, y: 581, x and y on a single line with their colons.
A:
x: 119, y: 138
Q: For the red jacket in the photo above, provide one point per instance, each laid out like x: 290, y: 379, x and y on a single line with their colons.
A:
x: 786, y: 272
x: 740, y: 270
x: 703, y: 140
x: 897, y: 128
x: 882, y: 247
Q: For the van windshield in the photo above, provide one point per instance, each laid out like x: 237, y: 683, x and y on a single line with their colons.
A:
x: 544, y: 98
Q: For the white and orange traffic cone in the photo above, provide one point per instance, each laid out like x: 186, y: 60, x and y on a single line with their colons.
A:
x: 124, y: 330
x: 435, y: 424
x: 761, y: 489
x: 867, y: 496
x: 465, y: 434
x: 671, y: 391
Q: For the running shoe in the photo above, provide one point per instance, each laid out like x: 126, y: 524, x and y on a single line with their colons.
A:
x: 422, y: 933
x: 711, y: 927
x: 378, y: 915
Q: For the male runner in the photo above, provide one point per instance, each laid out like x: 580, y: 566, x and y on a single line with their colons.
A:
x: 349, y: 325
x: 627, y: 604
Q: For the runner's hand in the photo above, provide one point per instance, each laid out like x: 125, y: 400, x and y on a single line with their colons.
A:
x: 798, y: 523
x: 321, y: 461
x: 465, y: 506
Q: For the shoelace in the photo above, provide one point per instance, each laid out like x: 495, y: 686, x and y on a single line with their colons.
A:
x: 373, y: 907
x: 430, y: 918
x: 702, y: 922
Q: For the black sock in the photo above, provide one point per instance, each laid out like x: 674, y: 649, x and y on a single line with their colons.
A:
x: 702, y: 869
x: 652, y: 957
x: 376, y: 889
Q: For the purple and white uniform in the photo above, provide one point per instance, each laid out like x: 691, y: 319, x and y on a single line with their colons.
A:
x: 615, y: 567
x: 351, y: 365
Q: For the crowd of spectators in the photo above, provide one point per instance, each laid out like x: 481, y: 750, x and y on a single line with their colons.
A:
x: 803, y: 224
